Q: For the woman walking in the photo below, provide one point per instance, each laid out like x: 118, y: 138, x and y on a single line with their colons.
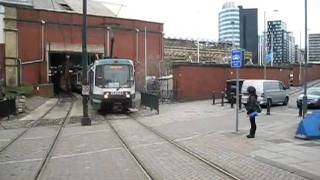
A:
x: 252, y: 108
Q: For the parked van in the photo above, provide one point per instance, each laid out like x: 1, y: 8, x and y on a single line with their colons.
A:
x: 273, y: 89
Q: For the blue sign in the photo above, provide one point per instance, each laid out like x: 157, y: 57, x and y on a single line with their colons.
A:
x: 236, y: 58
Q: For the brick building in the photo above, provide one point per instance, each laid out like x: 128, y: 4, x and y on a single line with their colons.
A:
x: 42, y: 34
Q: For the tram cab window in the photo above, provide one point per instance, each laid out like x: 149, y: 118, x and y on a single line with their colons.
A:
x: 113, y: 75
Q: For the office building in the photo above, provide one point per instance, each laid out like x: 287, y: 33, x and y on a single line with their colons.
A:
x: 278, y: 42
x: 249, y: 31
x: 229, y: 24
x: 314, y: 48
x: 291, y: 48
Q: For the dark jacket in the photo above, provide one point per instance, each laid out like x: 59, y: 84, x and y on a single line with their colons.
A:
x: 251, y: 105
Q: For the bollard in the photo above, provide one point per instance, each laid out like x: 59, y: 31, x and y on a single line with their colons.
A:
x: 240, y: 104
x: 300, y: 108
x: 268, y: 105
x: 222, y: 98
x: 213, y: 97
x: 232, y: 99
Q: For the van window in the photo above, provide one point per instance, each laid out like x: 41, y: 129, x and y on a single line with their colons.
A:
x: 271, y: 86
x: 281, y: 86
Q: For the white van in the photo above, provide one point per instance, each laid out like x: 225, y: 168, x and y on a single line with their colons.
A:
x: 272, y: 89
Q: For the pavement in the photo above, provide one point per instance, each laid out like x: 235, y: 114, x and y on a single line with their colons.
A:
x: 95, y: 152
x: 210, y: 131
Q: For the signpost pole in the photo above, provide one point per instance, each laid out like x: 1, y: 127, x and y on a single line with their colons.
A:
x: 237, y: 101
x: 237, y: 62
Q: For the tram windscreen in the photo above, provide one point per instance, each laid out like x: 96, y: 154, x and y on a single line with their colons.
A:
x: 113, y: 76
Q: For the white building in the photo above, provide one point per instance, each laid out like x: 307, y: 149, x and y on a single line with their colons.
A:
x: 314, y: 48
x: 229, y: 24
x: 291, y: 46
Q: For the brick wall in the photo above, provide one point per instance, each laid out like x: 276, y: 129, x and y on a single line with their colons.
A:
x: 195, y: 82
x: 66, y: 28
x: 313, y: 73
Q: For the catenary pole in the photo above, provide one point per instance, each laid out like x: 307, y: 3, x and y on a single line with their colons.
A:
x: 85, y: 119
x: 304, y: 102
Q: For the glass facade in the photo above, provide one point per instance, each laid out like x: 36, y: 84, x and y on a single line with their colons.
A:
x: 314, y: 48
x: 280, y: 43
x: 229, y: 24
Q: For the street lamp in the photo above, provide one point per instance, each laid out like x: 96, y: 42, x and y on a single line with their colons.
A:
x: 304, y: 100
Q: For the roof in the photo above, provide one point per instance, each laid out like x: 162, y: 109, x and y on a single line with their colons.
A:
x: 93, y: 7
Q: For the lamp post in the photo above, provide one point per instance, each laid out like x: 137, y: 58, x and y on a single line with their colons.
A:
x: 304, y: 100
x: 85, y: 90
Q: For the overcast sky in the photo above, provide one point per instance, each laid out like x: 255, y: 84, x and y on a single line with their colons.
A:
x: 199, y: 19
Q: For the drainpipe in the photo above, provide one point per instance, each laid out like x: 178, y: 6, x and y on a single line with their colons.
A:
x: 137, y: 45
x: 43, y: 50
x: 108, y: 41
x: 19, y: 66
x: 145, y: 57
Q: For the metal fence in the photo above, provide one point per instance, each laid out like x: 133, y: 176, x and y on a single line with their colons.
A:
x: 150, y: 100
x: 7, y: 107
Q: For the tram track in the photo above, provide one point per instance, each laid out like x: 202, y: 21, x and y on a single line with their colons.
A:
x: 48, y: 155
x: 29, y: 126
x: 178, y: 146
x: 131, y: 153
x: 53, y: 141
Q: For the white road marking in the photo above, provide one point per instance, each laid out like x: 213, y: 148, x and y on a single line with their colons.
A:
x: 60, y: 156
x: 85, y: 153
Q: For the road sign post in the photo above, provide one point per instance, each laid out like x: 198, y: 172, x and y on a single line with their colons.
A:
x: 237, y: 62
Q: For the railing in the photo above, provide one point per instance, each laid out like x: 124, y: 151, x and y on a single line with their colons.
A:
x: 165, y: 95
x: 7, y: 107
x: 150, y: 100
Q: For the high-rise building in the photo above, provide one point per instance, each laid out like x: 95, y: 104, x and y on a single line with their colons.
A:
x: 249, y: 31
x: 261, y: 49
x: 229, y: 24
x: 291, y: 48
x: 314, y: 48
x: 299, y: 55
x: 278, y: 42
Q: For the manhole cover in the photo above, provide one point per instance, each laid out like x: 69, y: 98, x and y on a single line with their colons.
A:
x: 279, y: 141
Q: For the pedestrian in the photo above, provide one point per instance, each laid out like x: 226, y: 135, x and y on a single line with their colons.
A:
x: 253, y: 109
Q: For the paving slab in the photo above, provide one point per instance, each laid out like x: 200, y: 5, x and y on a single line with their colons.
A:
x: 40, y: 111
x: 22, y: 159
x: 77, y: 108
x: 90, y: 152
x: 59, y: 112
x: 161, y: 159
x: 275, y: 136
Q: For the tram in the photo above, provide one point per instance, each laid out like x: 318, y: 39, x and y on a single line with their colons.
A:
x: 112, y: 84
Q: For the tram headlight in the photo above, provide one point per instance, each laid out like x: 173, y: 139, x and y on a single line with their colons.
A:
x: 106, y: 95
x: 127, y: 94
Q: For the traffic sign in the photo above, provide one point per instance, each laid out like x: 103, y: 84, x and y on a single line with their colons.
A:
x: 237, y: 58
x: 85, y: 90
